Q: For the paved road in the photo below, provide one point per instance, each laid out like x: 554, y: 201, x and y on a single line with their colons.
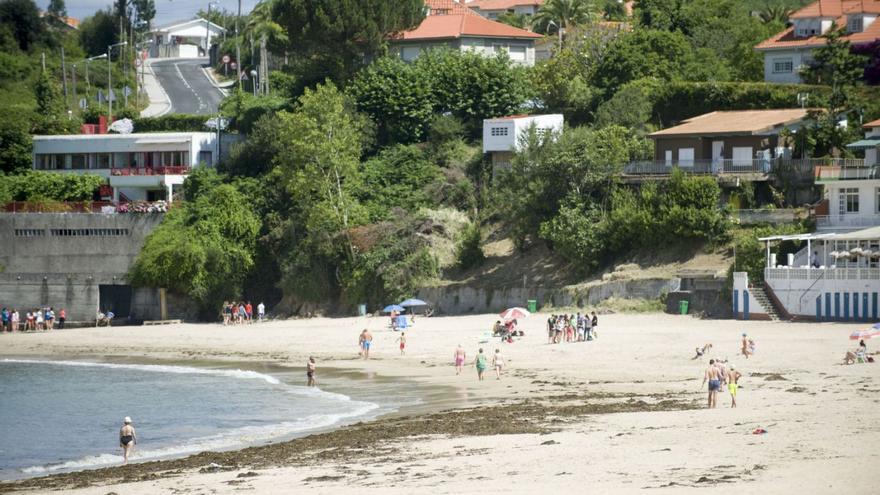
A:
x: 187, y: 86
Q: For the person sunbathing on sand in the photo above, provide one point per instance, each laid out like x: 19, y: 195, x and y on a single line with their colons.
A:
x: 701, y: 351
x: 850, y: 358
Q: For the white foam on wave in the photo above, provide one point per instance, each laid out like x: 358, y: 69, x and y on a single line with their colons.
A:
x: 240, y: 437
x: 229, y: 440
x: 158, y: 368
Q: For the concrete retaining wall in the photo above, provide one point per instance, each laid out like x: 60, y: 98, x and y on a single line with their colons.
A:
x: 458, y: 299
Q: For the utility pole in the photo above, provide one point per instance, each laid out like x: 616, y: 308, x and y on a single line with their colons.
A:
x: 43, y: 58
x: 64, y: 78
x: 73, y: 76
x: 208, y: 33
x: 110, y: 81
x: 237, y: 50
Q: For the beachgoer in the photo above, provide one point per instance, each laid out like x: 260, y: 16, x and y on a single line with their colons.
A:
x: 701, y: 351
x: 850, y: 358
x: 863, y: 347
x: 480, y: 364
x: 595, y: 325
x: 751, y: 347
x: 745, y: 346
x: 13, y: 319
x: 712, y: 376
x: 62, y: 317
x: 551, y: 328
x: 733, y: 377
x: 127, y: 439
x: 498, y: 363
x: 50, y: 319
x: 4, y: 320
x: 261, y: 311
x: 226, y: 313
x: 460, y: 356
x: 249, y: 312
x: 40, y: 319
x: 402, y: 340
x: 310, y: 372
x: 366, y: 342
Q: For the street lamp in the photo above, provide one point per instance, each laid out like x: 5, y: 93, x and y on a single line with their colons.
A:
x: 558, y: 30
x: 88, y: 83
x: 254, y: 80
x: 208, y: 28
x: 109, y: 80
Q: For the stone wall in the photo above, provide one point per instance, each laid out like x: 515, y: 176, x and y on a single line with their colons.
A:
x: 461, y: 299
x: 63, y: 259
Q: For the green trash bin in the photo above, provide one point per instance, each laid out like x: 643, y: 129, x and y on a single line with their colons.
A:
x: 683, y: 307
x: 532, y: 305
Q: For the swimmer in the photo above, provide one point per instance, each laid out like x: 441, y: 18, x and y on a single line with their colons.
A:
x: 310, y: 372
x: 127, y: 439
x: 460, y: 356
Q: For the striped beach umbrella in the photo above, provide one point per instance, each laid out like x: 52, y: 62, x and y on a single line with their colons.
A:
x: 514, y: 313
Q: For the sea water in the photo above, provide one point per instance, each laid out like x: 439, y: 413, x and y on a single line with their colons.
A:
x: 60, y: 416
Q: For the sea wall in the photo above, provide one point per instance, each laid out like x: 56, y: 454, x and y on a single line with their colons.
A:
x: 463, y: 299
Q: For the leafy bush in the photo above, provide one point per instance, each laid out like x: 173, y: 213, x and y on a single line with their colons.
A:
x: 176, y: 122
x: 750, y: 252
x: 398, y: 177
x: 469, y: 252
x: 41, y: 186
x: 15, y: 145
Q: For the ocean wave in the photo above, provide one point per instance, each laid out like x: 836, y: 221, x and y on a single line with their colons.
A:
x: 237, y: 438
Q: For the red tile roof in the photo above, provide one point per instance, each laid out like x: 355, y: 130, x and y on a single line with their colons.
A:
x: 838, y: 9
x: 502, y: 4
x: 449, y: 20
x: 872, y: 124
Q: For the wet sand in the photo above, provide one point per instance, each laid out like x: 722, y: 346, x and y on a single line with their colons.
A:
x: 618, y: 415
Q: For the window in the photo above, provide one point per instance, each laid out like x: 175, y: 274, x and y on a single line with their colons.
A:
x: 206, y: 157
x: 49, y: 162
x: 79, y: 162
x: 89, y: 232
x: 877, y: 199
x: 103, y: 160
x: 30, y: 232
x: 783, y: 66
x: 854, y: 24
x: 849, y: 200
x: 498, y: 131
x: 517, y: 53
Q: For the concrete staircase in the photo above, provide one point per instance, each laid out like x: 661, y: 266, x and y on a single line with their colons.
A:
x: 761, y: 295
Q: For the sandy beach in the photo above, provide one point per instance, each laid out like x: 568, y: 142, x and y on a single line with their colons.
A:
x: 622, y: 414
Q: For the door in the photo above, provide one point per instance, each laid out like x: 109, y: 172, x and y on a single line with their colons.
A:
x: 742, y: 156
x: 717, y: 151
x: 686, y: 157
x: 668, y: 158
x: 115, y: 298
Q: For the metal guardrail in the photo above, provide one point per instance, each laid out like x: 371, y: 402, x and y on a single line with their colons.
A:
x: 854, y: 172
x: 805, y: 166
x: 175, y: 170
x: 827, y: 273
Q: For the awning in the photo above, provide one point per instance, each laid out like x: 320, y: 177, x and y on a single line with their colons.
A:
x: 865, y: 144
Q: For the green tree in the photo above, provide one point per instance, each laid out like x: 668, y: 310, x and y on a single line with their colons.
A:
x: 399, y: 177
x: 98, y: 31
x: 146, y: 12
x: 202, y: 249
x: 397, y: 96
x: 775, y: 14
x: 15, y: 145
x: 57, y: 14
x: 335, y: 38
x: 563, y: 14
x: 24, y: 20
x: 513, y: 19
x: 472, y: 87
x: 661, y: 54
x: 50, y: 112
x: 632, y: 106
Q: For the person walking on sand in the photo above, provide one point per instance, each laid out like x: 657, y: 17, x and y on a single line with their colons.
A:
x: 498, y: 363
x: 460, y: 356
x: 712, y: 376
x: 366, y: 343
x: 480, y: 364
x: 402, y: 340
x: 733, y: 377
x: 310, y: 372
x: 127, y: 439
x: 745, y: 346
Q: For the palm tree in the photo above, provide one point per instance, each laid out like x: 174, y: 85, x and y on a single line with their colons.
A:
x: 261, y: 26
x: 775, y: 13
x: 562, y: 14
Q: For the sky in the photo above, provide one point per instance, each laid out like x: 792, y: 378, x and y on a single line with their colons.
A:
x: 166, y: 10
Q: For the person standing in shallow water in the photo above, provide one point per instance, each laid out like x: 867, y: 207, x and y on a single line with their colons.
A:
x: 480, y: 364
x: 127, y: 439
x: 310, y: 372
x: 460, y: 356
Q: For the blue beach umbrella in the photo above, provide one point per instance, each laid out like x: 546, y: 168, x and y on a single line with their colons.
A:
x: 392, y: 307
x: 413, y: 302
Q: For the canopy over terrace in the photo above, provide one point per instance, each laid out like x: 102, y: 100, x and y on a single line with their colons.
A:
x: 859, y: 249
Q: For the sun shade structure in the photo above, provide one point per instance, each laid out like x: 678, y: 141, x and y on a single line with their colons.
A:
x: 514, y: 314
x: 392, y: 307
x: 413, y: 302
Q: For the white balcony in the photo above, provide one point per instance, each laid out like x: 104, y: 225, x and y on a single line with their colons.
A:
x: 847, y: 222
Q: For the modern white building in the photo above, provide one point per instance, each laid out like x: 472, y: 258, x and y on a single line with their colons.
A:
x: 449, y: 24
x: 502, y: 136
x: 139, y: 167
x: 491, y: 9
x: 788, y: 52
x: 185, y: 39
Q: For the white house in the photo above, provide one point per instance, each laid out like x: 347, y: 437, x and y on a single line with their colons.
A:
x: 502, y: 136
x: 834, y: 277
x: 139, y: 167
x: 186, y: 39
x: 491, y: 9
x: 449, y: 24
x: 852, y: 188
x: 788, y: 52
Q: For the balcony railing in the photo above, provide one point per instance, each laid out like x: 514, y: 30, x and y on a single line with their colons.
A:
x: 847, y: 221
x: 802, y: 166
x: 856, y: 171
x: 826, y: 273
x: 176, y: 170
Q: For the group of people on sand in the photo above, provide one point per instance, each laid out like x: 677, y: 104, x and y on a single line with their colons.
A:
x: 721, y: 374
x: 481, y: 362
x: 240, y: 313
x: 572, y: 328
x: 38, y: 319
x: 859, y: 355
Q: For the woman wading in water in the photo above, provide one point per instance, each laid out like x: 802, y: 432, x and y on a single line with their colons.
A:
x: 127, y: 439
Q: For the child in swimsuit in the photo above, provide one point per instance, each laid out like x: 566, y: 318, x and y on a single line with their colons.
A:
x: 402, y: 341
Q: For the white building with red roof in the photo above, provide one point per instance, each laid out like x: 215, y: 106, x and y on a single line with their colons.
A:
x: 450, y: 24
x: 491, y: 9
x: 789, y: 51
